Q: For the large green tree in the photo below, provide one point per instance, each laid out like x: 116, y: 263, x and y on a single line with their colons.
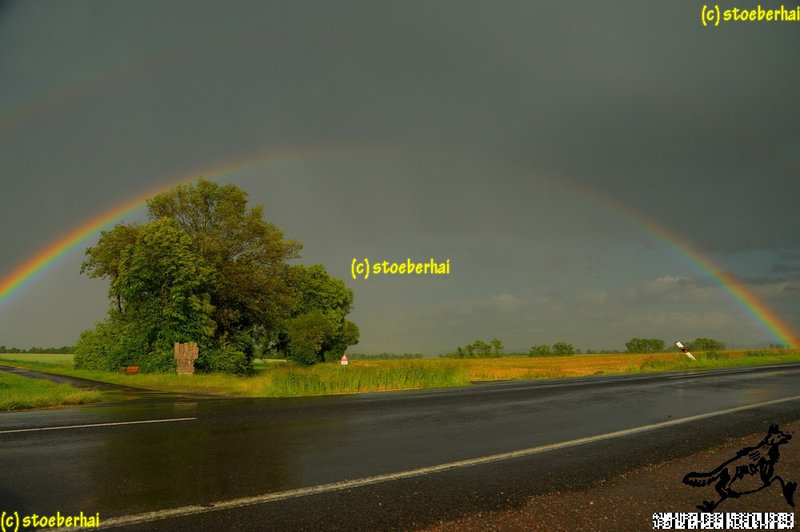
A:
x: 317, y: 328
x: 206, y: 268
x: 248, y: 254
x: 161, y: 293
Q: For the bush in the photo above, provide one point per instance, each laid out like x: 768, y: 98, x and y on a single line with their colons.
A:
x: 98, y: 349
x: 162, y: 361
x: 227, y: 358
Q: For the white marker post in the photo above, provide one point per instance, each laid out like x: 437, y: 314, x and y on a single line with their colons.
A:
x: 345, y: 360
x: 685, y: 351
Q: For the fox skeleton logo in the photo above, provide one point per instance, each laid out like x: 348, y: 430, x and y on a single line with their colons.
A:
x: 758, y: 461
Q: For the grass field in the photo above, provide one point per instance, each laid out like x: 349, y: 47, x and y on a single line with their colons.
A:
x: 17, y: 393
x: 285, y: 379
x: 273, y: 378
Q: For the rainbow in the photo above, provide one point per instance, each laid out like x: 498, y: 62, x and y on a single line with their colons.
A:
x: 28, y: 270
x: 770, y: 321
x: 39, y: 262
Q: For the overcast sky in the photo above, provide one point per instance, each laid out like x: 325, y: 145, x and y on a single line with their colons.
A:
x: 533, y: 144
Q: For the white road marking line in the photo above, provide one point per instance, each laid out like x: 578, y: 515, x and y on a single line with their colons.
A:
x: 91, y: 425
x: 361, y: 482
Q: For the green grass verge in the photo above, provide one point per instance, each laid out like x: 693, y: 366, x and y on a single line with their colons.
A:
x: 326, y: 379
x: 18, y: 393
x: 276, y: 378
x: 721, y: 360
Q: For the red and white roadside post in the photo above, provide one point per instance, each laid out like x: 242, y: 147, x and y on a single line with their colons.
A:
x: 345, y: 360
x: 685, y: 350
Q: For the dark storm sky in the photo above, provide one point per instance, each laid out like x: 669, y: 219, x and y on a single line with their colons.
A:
x: 520, y: 140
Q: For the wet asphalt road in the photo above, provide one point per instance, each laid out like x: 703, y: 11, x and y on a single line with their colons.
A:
x: 220, y: 452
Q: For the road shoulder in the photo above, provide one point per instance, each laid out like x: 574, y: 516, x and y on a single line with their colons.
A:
x: 628, y: 501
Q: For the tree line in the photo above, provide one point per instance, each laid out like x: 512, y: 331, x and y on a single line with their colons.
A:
x: 386, y: 356
x: 478, y: 349
x: 67, y: 349
x: 481, y: 349
x: 558, y: 349
x: 207, y: 269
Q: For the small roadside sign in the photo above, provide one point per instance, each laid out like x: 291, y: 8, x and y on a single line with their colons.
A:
x: 345, y: 360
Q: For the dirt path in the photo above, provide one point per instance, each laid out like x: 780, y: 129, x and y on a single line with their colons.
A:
x: 628, y: 502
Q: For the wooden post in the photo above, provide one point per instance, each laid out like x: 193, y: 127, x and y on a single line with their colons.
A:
x: 186, y: 354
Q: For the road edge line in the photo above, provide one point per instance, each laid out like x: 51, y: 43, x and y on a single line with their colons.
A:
x: 92, y: 425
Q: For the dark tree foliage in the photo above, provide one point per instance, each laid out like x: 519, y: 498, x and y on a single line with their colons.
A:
x: 479, y: 349
x: 644, y: 345
x: 248, y: 255
x: 207, y: 269
x: 66, y: 349
x: 705, y: 344
x: 558, y: 349
x: 563, y: 349
x: 161, y: 293
x: 316, y: 329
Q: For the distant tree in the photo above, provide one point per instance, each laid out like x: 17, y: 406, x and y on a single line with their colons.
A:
x: 482, y: 348
x: 389, y: 356
x: 478, y: 349
x: 644, y: 345
x: 635, y: 345
x: 467, y: 351
x: 705, y: 344
x: 497, y: 347
x: 656, y: 345
x: 541, y: 350
x: 563, y: 349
